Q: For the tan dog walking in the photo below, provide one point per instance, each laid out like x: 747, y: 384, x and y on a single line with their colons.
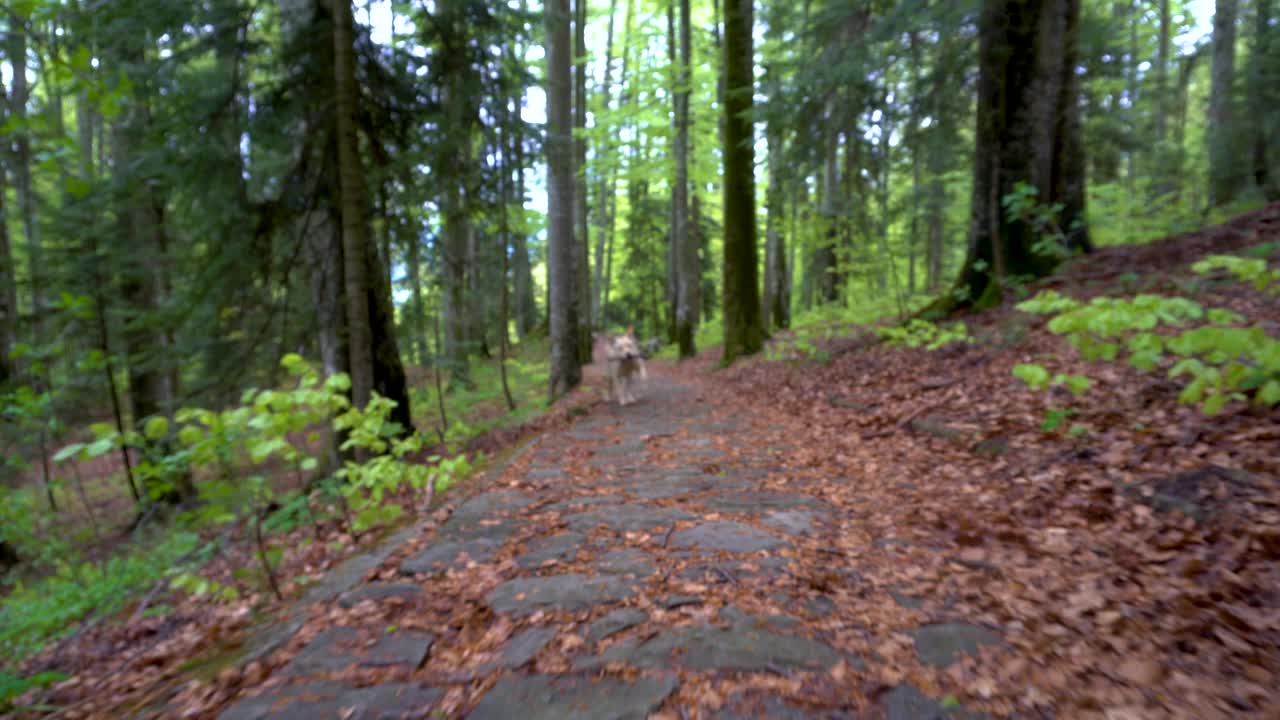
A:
x: 625, y: 362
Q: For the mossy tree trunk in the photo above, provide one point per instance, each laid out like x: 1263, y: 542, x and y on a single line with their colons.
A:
x: 743, y: 326
x: 1028, y: 131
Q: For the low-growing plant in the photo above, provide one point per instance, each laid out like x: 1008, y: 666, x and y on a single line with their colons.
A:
x: 47, y: 608
x: 1251, y: 270
x: 1220, y: 361
x: 12, y: 687
x: 240, y: 448
x: 922, y: 333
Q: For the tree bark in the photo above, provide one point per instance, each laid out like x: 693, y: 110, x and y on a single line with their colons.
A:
x: 566, y: 372
x: 743, y: 329
x: 152, y: 377
x: 477, y: 293
x: 1224, y: 175
x: 1027, y: 131
x: 774, y: 296
x: 522, y: 272
x: 504, y: 238
x: 1264, y: 75
x: 605, y: 177
x: 582, y: 240
x: 671, y: 298
x: 8, y: 274
x: 418, y: 305
x: 825, y: 267
x: 1161, y: 106
x: 355, y: 240
x: 688, y: 278
x: 27, y: 198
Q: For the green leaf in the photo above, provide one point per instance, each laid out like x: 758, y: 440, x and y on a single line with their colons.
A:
x: 309, y: 464
x: 1077, y: 384
x: 156, y: 428
x: 1035, y: 376
x: 100, y: 447
x: 1220, y: 316
x: 190, y: 435
x: 1270, y: 393
x: 1214, y: 404
x: 102, y: 429
x: 68, y: 451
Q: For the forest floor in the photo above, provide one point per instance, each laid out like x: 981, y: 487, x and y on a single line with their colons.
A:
x: 885, y: 532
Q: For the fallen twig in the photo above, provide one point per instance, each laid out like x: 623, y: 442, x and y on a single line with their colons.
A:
x: 667, y: 538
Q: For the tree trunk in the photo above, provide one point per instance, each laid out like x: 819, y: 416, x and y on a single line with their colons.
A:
x: 389, y: 378
x: 143, y: 287
x: 913, y: 141
x: 1224, y: 173
x: 626, y: 102
x: 1027, y: 131
x: 522, y: 272
x: 774, y: 296
x: 825, y: 267
x: 581, y: 234
x: 27, y: 198
x: 460, y: 116
x: 606, y: 189
x: 504, y: 237
x: 355, y: 240
x: 1264, y: 76
x: 687, y: 275
x: 8, y: 272
x: 456, y: 231
x: 1161, y: 107
x: 418, y: 305
x: 566, y: 372
x: 476, y: 295
x: 743, y: 329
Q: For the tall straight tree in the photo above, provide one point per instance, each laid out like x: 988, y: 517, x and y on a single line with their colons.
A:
x: 459, y: 78
x: 1264, y: 97
x: 1224, y: 168
x: 22, y: 159
x: 373, y: 352
x: 355, y: 236
x: 743, y: 326
x: 605, y: 191
x: 688, y: 277
x: 581, y: 232
x: 566, y: 372
x: 8, y: 275
x: 1028, y: 131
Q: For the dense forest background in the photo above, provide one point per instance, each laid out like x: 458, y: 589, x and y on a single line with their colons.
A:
x: 416, y: 193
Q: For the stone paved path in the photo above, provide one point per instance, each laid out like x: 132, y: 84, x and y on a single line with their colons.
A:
x: 669, y: 569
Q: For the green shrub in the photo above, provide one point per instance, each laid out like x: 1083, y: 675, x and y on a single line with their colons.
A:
x: 48, y: 608
x: 922, y: 333
x: 1221, y: 362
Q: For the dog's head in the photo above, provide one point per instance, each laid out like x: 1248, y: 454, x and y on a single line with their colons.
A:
x: 624, y: 347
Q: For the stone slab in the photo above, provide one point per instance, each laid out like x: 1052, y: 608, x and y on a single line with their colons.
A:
x: 725, y: 536
x: 524, y: 596
x: 539, y: 697
x: 339, y: 648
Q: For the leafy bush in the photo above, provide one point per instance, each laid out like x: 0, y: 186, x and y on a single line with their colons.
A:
x: 1221, y: 362
x: 1253, y: 271
x: 922, y: 333
x: 271, y: 431
x: 48, y: 608
x: 11, y: 687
